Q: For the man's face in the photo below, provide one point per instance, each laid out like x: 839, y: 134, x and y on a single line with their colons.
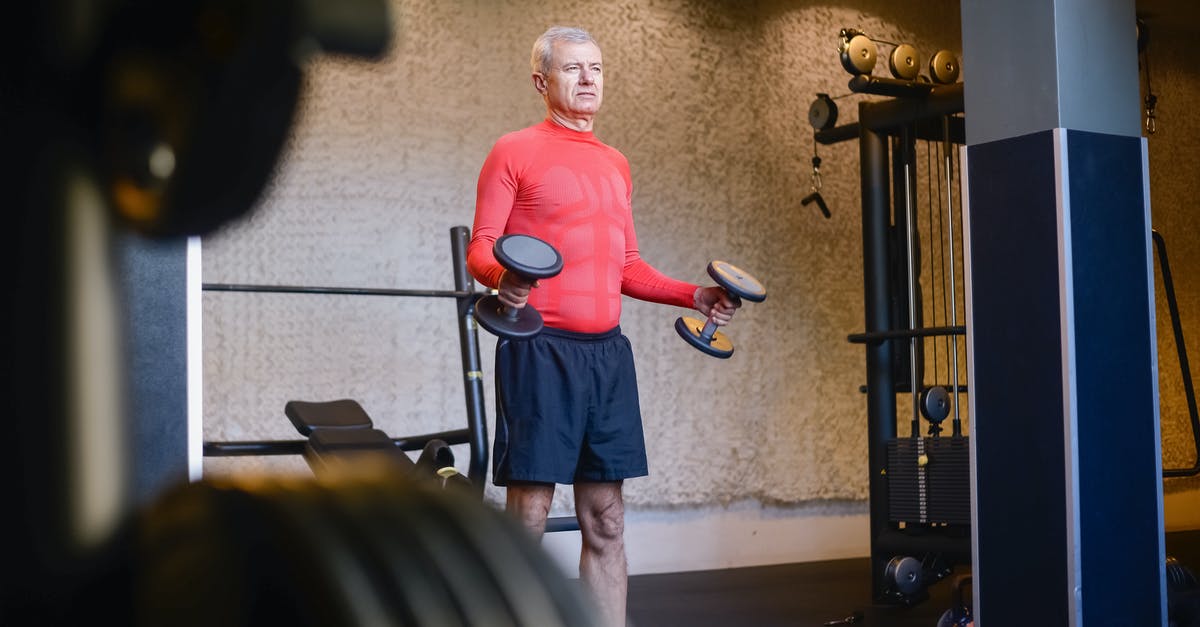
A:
x: 574, y: 85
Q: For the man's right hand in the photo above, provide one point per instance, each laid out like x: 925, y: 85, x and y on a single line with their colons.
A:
x: 513, y: 290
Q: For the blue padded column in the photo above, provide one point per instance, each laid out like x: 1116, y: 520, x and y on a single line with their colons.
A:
x: 1066, y: 467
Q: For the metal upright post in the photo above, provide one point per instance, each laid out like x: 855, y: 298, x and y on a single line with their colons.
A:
x: 881, y: 388
x: 468, y: 336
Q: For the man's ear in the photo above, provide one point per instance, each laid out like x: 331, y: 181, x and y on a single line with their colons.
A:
x: 539, y: 82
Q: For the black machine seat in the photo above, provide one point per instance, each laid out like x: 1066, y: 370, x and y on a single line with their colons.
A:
x: 340, y: 429
x: 337, y: 429
x: 340, y: 414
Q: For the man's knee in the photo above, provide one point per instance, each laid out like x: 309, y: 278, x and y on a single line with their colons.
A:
x: 530, y: 503
x: 601, y: 515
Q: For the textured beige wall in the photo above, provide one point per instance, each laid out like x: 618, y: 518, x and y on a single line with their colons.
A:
x: 708, y: 100
x: 1174, y: 194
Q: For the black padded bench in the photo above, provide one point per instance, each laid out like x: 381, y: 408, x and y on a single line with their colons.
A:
x: 336, y: 430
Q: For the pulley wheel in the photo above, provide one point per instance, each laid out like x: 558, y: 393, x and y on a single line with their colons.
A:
x: 904, y: 62
x: 935, y: 404
x: 859, y: 54
x: 943, y: 67
x: 822, y: 113
x: 904, y: 573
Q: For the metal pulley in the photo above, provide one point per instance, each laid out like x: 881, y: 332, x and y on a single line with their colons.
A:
x: 904, y: 62
x: 858, y: 52
x: 943, y: 67
x: 822, y: 113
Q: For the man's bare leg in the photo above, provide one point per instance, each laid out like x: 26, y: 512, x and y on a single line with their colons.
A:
x: 601, y: 513
x: 530, y: 504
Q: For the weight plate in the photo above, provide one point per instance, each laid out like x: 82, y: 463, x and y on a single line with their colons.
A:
x: 737, y: 281
x: 822, y: 114
x: 691, y: 329
x: 859, y: 55
x: 943, y: 67
x: 492, y: 315
x: 904, y: 573
x: 528, y: 256
x: 904, y: 62
x: 935, y: 403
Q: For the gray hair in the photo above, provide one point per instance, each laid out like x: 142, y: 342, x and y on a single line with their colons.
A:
x: 543, y: 47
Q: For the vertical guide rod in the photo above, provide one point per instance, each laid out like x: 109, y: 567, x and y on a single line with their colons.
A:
x: 912, y: 305
x: 953, y: 294
x: 468, y: 335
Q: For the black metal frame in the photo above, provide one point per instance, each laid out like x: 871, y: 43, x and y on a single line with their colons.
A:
x: 1160, y: 247
x: 927, y: 112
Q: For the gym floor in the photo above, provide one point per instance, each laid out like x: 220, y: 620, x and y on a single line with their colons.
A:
x: 801, y: 595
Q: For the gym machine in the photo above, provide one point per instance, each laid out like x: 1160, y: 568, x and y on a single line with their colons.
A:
x: 919, y: 484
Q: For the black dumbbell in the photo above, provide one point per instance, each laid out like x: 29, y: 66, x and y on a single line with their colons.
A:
x: 531, y: 259
x: 704, y: 334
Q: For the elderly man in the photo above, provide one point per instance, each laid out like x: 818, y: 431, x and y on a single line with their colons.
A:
x: 567, y: 399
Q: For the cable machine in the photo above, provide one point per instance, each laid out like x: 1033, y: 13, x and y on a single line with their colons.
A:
x: 920, y: 506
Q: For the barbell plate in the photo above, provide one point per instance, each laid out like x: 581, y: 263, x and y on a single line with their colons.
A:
x: 528, y: 256
x: 904, y: 62
x: 737, y: 281
x: 691, y: 330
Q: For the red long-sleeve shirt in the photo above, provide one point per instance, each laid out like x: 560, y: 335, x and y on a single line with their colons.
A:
x: 571, y: 190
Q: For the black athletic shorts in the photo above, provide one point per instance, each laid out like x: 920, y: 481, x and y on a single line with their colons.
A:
x: 567, y: 409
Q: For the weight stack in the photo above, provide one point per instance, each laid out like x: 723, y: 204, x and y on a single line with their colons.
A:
x: 938, y: 491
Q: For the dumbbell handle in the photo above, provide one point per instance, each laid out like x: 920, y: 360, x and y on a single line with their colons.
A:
x: 710, y: 324
x: 511, y: 313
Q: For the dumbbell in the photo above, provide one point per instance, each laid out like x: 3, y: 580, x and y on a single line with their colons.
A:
x: 704, y: 334
x: 531, y: 259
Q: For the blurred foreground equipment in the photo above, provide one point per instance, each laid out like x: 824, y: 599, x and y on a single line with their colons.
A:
x: 130, y: 124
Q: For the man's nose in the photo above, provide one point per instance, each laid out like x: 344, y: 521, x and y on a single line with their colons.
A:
x: 587, y: 76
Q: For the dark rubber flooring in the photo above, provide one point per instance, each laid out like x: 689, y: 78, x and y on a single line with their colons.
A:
x: 801, y: 595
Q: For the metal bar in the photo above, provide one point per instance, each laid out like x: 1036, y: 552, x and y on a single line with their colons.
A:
x: 879, y: 86
x: 562, y: 523
x: 874, y: 337
x: 468, y: 336
x: 837, y: 134
x: 903, y: 149
x: 246, y: 448
x: 891, y: 114
x: 881, y: 388
x: 350, y: 291
x: 953, y: 293
x: 927, y: 130
x: 418, y: 442
x: 1160, y: 246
